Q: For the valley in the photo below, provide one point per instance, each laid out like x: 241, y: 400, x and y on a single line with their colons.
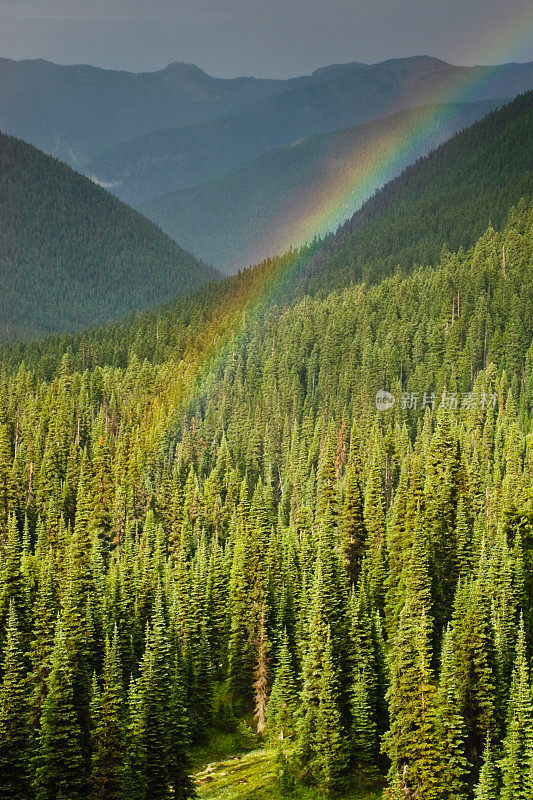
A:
x: 266, y: 452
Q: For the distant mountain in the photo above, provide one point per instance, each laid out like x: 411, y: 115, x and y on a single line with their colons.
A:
x: 446, y: 199
x: 71, y: 255
x: 258, y: 208
x: 73, y: 112
x: 334, y: 99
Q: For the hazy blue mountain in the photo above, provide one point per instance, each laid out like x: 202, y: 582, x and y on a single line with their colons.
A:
x: 72, y: 255
x: 176, y: 158
x: 258, y: 208
x: 73, y: 112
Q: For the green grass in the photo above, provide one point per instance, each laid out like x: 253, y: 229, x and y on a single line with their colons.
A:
x: 224, y: 771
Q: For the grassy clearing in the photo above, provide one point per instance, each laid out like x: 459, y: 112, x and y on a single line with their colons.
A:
x: 224, y: 771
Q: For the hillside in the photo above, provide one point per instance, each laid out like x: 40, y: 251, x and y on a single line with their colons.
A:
x: 273, y: 537
x: 445, y: 199
x: 73, y: 112
x: 259, y: 208
x: 176, y: 158
x: 225, y: 522
x: 72, y: 255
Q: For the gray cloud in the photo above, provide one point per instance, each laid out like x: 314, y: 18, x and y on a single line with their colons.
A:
x: 267, y: 37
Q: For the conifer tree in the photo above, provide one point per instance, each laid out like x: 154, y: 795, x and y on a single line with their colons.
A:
x: 16, y: 733
x: 518, y: 744
x: 476, y: 674
x: 261, y: 675
x: 440, y: 494
x: 362, y: 651
x: 487, y: 787
x: 311, y: 674
x: 329, y: 745
x: 362, y: 736
x: 412, y: 742
x: 13, y: 586
x: 326, y: 474
x: 6, y: 480
x: 59, y: 764
x: 281, y: 711
x: 451, y: 727
x: 374, y: 511
x: 108, y: 778
x: 164, y: 752
x: 353, y: 529
x: 136, y: 756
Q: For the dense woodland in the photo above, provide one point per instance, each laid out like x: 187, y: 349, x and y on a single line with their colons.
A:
x: 71, y: 255
x: 452, y: 195
x: 209, y: 524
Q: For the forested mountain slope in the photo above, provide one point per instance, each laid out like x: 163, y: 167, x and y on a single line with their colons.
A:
x: 179, y: 554
x: 260, y: 208
x: 446, y: 198
x: 174, y: 158
x: 71, y: 255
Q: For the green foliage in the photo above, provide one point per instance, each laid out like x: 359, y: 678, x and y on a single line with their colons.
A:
x: 487, y: 788
x: 15, y: 730
x: 518, y: 743
x: 283, y: 703
x: 59, y: 764
x: 217, y: 546
x: 73, y: 256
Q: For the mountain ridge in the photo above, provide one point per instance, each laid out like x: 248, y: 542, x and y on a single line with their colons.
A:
x: 72, y: 255
x: 256, y: 209
x: 79, y: 112
x: 177, y: 158
x: 445, y: 199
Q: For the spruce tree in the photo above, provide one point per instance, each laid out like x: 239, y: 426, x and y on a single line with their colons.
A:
x: 451, y: 727
x: 6, y: 478
x: 476, y: 670
x: 108, y: 778
x: 518, y: 744
x: 16, y: 734
x: 261, y: 682
x: 353, y: 531
x: 487, y: 787
x: 164, y: 751
x: 59, y: 764
x: 13, y: 585
x: 362, y: 736
x: 45, y: 610
x: 281, y: 711
x: 412, y: 742
x: 330, y: 754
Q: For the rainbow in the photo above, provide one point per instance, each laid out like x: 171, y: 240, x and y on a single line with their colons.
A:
x: 377, y: 160
x: 248, y: 294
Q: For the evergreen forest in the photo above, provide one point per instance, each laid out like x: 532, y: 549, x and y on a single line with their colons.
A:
x: 269, y: 535
x: 210, y: 532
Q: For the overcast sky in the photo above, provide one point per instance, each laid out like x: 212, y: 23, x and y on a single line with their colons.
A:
x: 263, y: 37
